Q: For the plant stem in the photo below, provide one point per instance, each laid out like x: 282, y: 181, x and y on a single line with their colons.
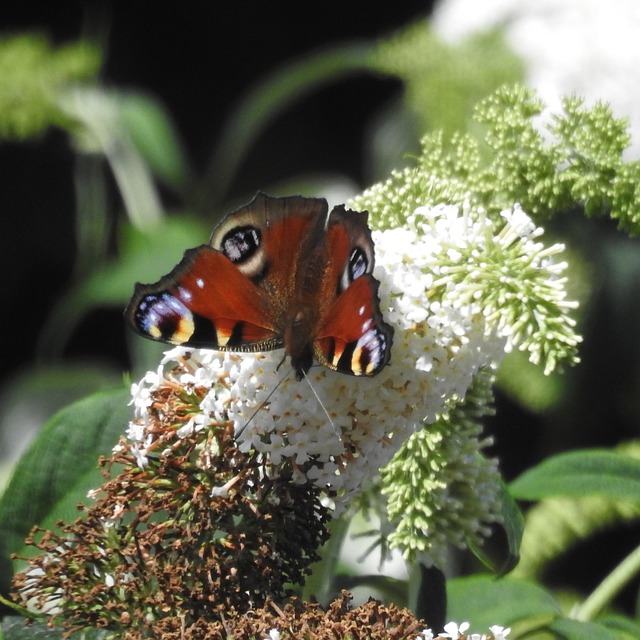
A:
x: 609, y: 587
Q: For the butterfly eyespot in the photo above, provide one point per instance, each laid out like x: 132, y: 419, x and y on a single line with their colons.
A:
x: 241, y: 244
x: 162, y: 316
x: 357, y: 266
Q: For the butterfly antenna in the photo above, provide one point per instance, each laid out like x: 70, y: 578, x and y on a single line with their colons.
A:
x: 262, y: 404
x: 326, y: 413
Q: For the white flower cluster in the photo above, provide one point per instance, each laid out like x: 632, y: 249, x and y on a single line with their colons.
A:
x: 337, y: 430
x: 454, y: 631
x: 451, y: 630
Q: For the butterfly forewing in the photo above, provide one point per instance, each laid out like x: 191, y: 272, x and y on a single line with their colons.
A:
x: 282, y: 227
x: 204, y: 302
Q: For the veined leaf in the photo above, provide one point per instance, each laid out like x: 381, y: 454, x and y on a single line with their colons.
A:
x: 581, y: 473
x: 485, y: 601
x: 61, y: 463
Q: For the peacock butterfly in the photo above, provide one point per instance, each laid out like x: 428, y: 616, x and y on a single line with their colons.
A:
x: 278, y: 272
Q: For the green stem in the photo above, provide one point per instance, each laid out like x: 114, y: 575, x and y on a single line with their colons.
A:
x: 266, y: 101
x: 20, y: 610
x: 609, y: 587
x: 102, y: 131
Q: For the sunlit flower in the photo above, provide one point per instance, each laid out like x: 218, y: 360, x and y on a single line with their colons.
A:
x: 232, y: 449
x: 499, y: 633
x: 454, y: 630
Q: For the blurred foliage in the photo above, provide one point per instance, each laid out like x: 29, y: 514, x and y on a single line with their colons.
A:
x: 143, y: 257
x: 556, y: 524
x: 33, y: 74
x: 268, y: 99
x: 444, y: 82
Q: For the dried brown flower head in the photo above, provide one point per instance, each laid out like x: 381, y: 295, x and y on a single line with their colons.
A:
x: 202, y: 532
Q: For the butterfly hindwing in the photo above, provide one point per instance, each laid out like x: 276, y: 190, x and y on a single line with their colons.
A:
x: 354, y: 338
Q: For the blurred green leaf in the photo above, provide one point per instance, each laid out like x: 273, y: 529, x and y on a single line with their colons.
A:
x: 155, y: 137
x: 268, y: 99
x: 485, y: 601
x: 624, y: 627
x: 62, y: 463
x: 529, y: 385
x: 581, y: 473
x: 103, y: 131
x: 554, y: 525
x: 144, y: 257
x: 513, y: 523
x: 444, y: 81
x: 16, y: 628
x: 6, y: 574
x: 33, y: 395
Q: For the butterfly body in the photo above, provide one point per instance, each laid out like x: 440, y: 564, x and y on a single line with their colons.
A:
x: 277, y: 273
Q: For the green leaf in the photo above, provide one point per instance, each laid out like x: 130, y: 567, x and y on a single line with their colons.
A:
x: 576, y: 630
x: 144, y: 257
x: 501, y: 552
x: 6, y: 573
x: 15, y: 628
x: 554, y: 525
x: 625, y: 627
x: 60, y: 465
x: 581, y: 473
x: 154, y: 135
x: 485, y: 601
x: 34, y: 394
x: 513, y: 523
